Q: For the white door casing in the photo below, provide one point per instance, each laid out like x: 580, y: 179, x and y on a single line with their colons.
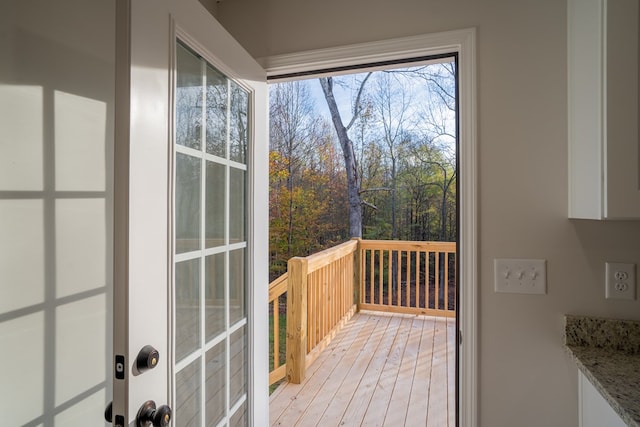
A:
x: 147, y: 32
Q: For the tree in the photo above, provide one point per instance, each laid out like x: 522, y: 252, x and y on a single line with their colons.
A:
x: 429, y: 178
x: 293, y: 129
x: 395, y: 176
x: 392, y: 102
x: 350, y: 165
x: 306, y: 179
x: 437, y: 114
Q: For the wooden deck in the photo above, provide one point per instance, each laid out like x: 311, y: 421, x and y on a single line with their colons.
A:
x: 380, y: 370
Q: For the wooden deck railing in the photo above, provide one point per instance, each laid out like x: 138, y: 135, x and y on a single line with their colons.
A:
x: 277, y: 290
x: 408, y: 277
x: 320, y: 298
x: 325, y: 289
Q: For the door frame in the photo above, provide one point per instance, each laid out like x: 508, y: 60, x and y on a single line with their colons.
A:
x: 462, y: 43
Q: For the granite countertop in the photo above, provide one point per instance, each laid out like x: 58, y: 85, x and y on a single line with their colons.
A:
x: 608, y: 353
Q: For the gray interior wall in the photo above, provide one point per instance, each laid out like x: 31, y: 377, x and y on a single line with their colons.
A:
x: 525, y: 377
x: 56, y: 167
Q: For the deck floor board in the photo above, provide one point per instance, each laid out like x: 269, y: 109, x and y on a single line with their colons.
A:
x: 380, y: 369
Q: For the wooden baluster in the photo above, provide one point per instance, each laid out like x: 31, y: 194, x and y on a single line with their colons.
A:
x: 455, y: 279
x: 323, y: 309
x: 334, y: 285
x: 311, y: 313
x: 418, y: 279
x: 330, y: 298
x: 427, y: 268
x: 372, y: 254
x: 276, y: 334
x: 407, y: 285
x: 436, y: 299
x: 389, y: 277
x: 322, y: 306
x: 342, y: 275
x: 380, y: 275
x: 446, y: 281
x: 399, y: 282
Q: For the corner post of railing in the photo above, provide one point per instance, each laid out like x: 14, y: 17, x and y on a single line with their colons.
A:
x: 297, y: 320
x: 357, y: 272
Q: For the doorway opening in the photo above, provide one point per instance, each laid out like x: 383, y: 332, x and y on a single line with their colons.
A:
x: 371, y: 151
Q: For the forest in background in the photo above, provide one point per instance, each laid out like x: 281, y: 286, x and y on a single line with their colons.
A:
x: 401, y: 127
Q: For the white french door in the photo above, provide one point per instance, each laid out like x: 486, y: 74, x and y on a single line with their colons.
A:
x: 190, y: 291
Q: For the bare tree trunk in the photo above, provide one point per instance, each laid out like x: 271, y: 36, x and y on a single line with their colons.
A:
x: 353, y: 182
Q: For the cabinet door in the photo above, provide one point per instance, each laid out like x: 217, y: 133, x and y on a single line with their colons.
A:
x: 594, y: 409
x: 622, y: 162
x: 604, y: 170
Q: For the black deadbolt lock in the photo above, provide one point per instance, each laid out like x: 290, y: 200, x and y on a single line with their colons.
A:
x: 108, y: 416
x: 147, y: 359
x: 148, y: 414
x: 108, y: 413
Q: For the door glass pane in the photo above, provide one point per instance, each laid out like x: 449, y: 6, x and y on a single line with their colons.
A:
x: 217, y: 98
x: 237, y: 206
x: 215, y: 214
x: 210, y: 270
x: 239, y: 418
x: 238, y: 126
x: 188, y: 396
x: 215, y: 384
x: 187, y: 285
x: 188, y: 99
x: 187, y: 203
x: 214, y: 296
x: 238, y: 365
x: 237, y: 285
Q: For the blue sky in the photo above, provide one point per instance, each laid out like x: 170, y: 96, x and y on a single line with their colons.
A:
x: 417, y: 91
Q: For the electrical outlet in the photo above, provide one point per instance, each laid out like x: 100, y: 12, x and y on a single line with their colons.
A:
x: 620, y: 281
x: 520, y: 276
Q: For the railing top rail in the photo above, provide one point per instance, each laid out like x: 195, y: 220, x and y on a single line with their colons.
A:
x: 283, y: 277
x: 404, y: 245
x: 278, y: 287
x: 326, y: 257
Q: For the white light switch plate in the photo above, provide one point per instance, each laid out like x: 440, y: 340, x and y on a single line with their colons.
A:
x: 520, y: 276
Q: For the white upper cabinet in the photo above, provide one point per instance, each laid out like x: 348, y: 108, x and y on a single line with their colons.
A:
x: 604, y: 181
